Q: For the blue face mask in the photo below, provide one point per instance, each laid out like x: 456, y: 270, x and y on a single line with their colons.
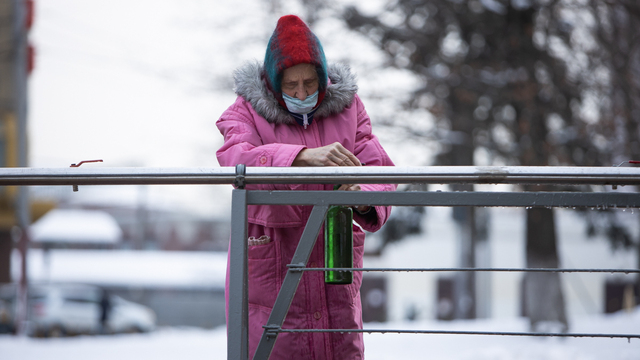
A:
x: 298, y: 106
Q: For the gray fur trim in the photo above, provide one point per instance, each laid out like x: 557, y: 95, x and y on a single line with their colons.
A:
x: 250, y: 85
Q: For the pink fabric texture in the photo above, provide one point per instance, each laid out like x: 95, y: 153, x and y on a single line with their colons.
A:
x: 252, y: 140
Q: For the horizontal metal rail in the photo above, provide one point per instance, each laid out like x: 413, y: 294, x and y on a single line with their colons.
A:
x: 452, y: 332
x: 323, y: 175
x: 536, y: 270
x: 602, y: 200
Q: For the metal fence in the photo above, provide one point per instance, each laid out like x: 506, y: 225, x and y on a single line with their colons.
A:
x: 609, y: 196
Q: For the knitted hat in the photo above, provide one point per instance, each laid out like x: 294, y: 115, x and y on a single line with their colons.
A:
x: 293, y: 43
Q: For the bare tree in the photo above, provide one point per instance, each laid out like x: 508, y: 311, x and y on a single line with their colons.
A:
x: 502, y: 93
x: 615, y: 65
x: 518, y: 82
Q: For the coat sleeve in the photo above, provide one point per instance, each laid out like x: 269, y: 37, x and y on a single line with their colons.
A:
x: 370, y: 152
x: 243, y: 145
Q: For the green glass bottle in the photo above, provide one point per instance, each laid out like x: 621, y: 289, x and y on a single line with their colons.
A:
x: 338, y: 244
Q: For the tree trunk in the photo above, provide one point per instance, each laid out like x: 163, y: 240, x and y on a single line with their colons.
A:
x: 543, y: 299
x: 462, y: 149
x: 6, y: 245
x: 465, y: 284
x: 637, y: 299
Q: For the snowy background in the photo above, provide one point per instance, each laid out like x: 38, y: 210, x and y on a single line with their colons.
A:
x: 142, y: 82
x: 584, y: 294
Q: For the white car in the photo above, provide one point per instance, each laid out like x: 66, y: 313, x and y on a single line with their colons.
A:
x: 59, y: 310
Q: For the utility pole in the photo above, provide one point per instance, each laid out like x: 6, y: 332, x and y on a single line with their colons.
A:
x: 16, y: 62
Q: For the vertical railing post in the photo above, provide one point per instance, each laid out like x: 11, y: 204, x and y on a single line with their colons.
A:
x: 238, y: 302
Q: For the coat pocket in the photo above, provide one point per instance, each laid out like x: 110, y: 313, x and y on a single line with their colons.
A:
x: 262, y: 267
x: 262, y: 240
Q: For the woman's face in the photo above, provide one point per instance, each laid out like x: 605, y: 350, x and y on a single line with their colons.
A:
x: 300, y: 81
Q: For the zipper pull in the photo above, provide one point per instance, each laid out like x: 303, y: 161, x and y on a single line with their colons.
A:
x: 305, y: 121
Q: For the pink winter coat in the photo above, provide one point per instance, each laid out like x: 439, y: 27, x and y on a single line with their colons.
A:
x: 269, y: 136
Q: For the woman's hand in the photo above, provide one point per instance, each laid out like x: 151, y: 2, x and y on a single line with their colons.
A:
x: 355, y: 187
x: 330, y: 155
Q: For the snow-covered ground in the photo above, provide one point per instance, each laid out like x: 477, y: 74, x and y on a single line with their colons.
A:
x: 194, y: 344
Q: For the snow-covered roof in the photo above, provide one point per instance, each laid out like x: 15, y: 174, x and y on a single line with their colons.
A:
x: 159, y: 269
x: 76, y: 226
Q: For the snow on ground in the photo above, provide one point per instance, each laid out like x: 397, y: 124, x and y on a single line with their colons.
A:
x: 194, y: 344
x: 163, y: 344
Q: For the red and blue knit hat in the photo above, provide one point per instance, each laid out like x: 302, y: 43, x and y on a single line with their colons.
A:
x: 293, y: 43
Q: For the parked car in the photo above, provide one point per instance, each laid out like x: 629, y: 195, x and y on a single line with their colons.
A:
x: 70, y: 309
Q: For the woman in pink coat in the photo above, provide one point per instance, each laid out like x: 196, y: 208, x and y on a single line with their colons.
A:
x: 295, y: 110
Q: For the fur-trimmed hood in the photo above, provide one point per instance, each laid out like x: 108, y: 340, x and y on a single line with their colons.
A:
x: 249, y: 83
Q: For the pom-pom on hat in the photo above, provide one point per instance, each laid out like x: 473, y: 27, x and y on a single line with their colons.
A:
x: 293, y: 43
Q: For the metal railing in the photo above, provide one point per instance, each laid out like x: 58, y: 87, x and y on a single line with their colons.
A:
x: 329, y: 175
x: 240, y: 176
